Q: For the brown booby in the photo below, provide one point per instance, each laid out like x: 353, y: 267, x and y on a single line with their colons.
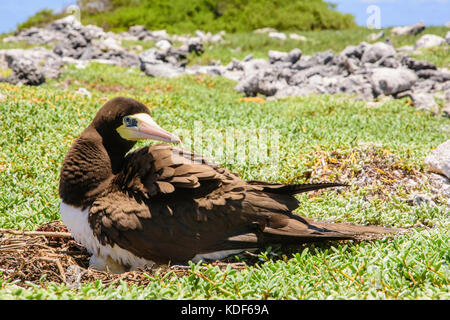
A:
x: 163, y: 204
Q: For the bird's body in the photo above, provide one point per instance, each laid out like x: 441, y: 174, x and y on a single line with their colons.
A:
x: 163, y: 204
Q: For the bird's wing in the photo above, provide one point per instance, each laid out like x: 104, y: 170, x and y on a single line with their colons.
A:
x: 169, y: 206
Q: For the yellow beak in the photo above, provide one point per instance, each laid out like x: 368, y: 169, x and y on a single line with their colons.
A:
x: 145, y: 128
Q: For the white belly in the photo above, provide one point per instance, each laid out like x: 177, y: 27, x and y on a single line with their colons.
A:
x: 76, y: 220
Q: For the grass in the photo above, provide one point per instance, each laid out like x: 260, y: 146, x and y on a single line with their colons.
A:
x: 38, y: 125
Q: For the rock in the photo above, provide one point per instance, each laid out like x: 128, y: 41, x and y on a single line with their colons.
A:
x: 438, y: 161
x: 377, y: 51
x: 424, y: 101
x: 355, y: 51
x: 45, y: 63
x: 375, y: 36
x: 83, y: 92
x: 275, y: 56
x: 265, y: 30
x: 389, y: 81
x: 26, y: 72
x: 163, y: 45
x: 164, y: 70
x: 277, y: 35
x: 409, y: 30
x: 421, y: 199
x: 440, y: 184
x: 416, y: 65
x: 434, y: 75
x: 446, y: 109
x: 429, y: 40
x: 406, y: 49
x: 297, y: 37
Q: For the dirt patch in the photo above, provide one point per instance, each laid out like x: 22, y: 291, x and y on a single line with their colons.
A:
x: 49, y: 254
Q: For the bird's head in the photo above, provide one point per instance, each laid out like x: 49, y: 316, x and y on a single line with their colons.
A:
x: 129, y: 120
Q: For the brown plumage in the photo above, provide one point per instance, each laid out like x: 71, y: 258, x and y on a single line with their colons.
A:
x: 167, y: 204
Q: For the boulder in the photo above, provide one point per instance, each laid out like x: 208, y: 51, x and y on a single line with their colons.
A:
x: 424, y: 101
x: 409, y: 30
x: 377, y: 51
x: 389, y: 81
x: 438, y: 161
x: 429, y: 40
x: 164, y: 70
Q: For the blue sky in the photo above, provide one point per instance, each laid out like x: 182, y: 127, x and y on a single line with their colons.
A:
x: 392, y: 12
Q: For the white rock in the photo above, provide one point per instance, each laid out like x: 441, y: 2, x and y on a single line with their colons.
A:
x: 277, y: 35
x: 408, y: 30
x: 429, y: 40
x: 265, y: 30
x: 438, y: 160
x: 83, y: 92
x: 297, y: 37
x: 163, y: 45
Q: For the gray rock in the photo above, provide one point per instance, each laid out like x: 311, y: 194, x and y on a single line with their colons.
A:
x: 275, y: 56
x: 409, y: 30
x: 164, y: 70
x: 440, y: 184
x: 429, y: 40
x: 424, y: 101
x: 26, y: 72
x: 391, y: 81
x: 416, y: 65
x: 355, y: 51
x: 434, y: 75
x: 44, y: 61
x: 421, y: 199
x: 377, y: 51
x: 438, y: 161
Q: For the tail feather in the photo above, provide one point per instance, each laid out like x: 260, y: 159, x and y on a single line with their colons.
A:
x: 297, y: 231
x: 292, y: 189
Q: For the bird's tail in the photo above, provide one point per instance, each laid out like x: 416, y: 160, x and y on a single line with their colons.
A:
x: 294, y: 229
x: 291, y: 189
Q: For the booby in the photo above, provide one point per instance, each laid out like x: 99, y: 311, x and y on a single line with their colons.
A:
x: 161, y: 204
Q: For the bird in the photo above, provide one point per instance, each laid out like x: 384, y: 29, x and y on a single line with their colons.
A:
x: 162, y: 204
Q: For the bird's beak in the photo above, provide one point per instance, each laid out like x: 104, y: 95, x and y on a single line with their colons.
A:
x: 146, y: 128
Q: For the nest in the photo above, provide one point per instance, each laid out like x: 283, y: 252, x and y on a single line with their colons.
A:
x: 50, y: 254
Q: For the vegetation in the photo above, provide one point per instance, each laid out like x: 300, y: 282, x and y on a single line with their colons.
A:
x: 210, y: 15
x: 38, y: 125
x: 334, y: 134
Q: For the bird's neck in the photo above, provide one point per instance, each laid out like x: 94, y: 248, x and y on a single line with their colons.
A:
x: 88, y: 169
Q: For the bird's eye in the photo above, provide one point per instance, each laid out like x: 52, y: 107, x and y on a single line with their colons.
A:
x: 129, y: 122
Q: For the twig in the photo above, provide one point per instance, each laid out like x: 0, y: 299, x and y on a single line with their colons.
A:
x: 37, y: 233
x: 58, y: 264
